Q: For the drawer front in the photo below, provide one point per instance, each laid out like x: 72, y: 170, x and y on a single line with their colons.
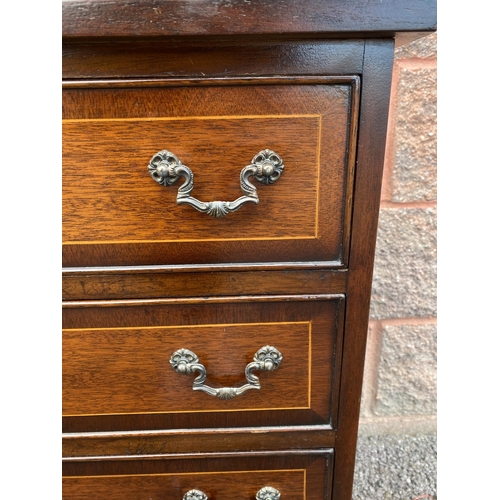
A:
x: 298, y: 476
x: 115, y: 213
x: 132, y: 367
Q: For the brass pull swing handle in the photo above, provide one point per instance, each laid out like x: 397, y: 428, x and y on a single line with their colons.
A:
x: 185, y: 361
x: 266, y: 493
x: 266, y: 167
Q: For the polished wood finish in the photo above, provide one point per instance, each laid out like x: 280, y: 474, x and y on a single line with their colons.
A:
x: 143, y: 276
x: 376, y: 84
x: 114, y: 213
x: 117, y: 375
x: 332, y: 18
x: 298, y: 475
x: 97, y: 63
x: 111, y: 371
x: 170, y: 282
x: 180, y: 442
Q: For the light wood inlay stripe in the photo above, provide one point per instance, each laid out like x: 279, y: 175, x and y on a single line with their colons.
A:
x: 81, y: 226
x: 211, y: 325
x: 220, y: 409
x: 187, y: 118
x: 207, y: 240
x: 318, y: 163
x: 167, y: 474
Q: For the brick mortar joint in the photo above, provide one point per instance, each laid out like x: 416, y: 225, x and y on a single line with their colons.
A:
x: 409, y: 320
x: 372, y: 369
x: 408, y: 204
x: 416, y: 63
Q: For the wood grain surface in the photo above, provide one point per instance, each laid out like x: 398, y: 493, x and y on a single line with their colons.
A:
x: 297, y: 476
x: 216, y: 82
x: 156, y: 18
x: 183, y: 442
x: 220, y: 485
x: 118, y: 202
x: 115, y: 214
x: 126, y: 370
x: 146, y: 283
x: 117, y: 372
x: 366, y: 203
x: 93, y: 62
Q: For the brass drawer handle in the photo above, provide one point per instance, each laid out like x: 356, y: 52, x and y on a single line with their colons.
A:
x: 195, y: 495
x: 185, y: 361
x: 165, y: 168
x: 266, y: 493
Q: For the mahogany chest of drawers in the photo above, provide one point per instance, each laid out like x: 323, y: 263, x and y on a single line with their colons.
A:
x: 222, y: 164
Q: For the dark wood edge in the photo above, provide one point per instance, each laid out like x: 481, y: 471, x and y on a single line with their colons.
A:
x: 400, y: 38
x: 147, y: 59
x: 144, y: 285
x: 163, y: 456
x: 143, y: 444
x: 157, y: 18
x: 377, y: 74
x: 350, y: 170
x: 195, y: 432
x: 337, y: 366
x: 206, y: 82
x: 200, y: 300
x: 200, y: 268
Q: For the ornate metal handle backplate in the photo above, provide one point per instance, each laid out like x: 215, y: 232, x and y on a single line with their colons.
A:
x: 266, y: 493
x: 185, y: 361
x: 266, y: 167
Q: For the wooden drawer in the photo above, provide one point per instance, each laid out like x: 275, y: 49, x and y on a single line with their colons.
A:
x: 114, y: 213
x: 296, y: 476
x: 117, y: 374
x: 145, y: 276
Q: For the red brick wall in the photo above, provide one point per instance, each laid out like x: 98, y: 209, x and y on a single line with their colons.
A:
x: 399, y: 393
